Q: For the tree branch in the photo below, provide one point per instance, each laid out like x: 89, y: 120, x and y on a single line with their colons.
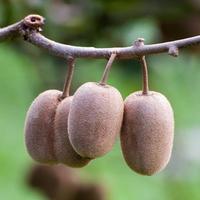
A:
x: 30, y: 27
x: 10, y: 31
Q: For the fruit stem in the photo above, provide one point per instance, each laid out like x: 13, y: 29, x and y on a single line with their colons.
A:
x: 104, y: 78
x: 68, y: 78
x: 145, y: 89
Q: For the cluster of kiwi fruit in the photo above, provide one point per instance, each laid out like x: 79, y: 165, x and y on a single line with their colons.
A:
x: 77, y: 129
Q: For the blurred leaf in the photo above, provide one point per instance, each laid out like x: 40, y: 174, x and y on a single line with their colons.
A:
x: 179, y: 80
x: 142, y: 28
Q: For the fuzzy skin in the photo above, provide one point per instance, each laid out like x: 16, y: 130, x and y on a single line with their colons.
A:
x: 147, y: 132
x: 39, y: 126
x: 63, y: 148
x: 95, y: 119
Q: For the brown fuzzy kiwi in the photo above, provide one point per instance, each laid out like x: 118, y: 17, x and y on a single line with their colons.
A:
x: 46, y: 132
x: 63, y: 149
x: 56, y: 182
x: 59, y: 182
x: 46, y: 126
x: 147, y: 132
x: 39, y: 126
x: 95, y: 119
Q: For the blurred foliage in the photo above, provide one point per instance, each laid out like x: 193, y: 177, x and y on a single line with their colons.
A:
x: 27, y: 70
x: 18, y: 84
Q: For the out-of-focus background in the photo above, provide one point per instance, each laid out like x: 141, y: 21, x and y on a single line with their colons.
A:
x: 25, y: 71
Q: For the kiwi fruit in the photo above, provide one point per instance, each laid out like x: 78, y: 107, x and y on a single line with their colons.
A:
x: 46, y: 135
x: 59, y: 182
x: 63, y: 150
x: 95, y: 119
x: 39, y: 126
x: 147, y: 132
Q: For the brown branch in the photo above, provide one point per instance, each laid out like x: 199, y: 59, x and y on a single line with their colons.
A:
x: 30, y: 27
x: 10, y: 31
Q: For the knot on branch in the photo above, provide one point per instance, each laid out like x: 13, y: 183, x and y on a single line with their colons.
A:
x: 34, y: 22
x: 31, y: 23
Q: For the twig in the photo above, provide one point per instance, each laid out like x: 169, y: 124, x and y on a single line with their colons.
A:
x: 30, y: 27
x: 68, y: 79
x: 104, y: 78
x: 145, y: 87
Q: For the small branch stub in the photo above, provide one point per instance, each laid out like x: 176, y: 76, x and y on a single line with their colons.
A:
x: 139, y: 42
x: 173, y: 51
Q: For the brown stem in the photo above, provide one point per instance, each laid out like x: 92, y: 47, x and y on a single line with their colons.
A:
x: 68, y: 79
x: 145, y: 89
x: 104, y: 78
